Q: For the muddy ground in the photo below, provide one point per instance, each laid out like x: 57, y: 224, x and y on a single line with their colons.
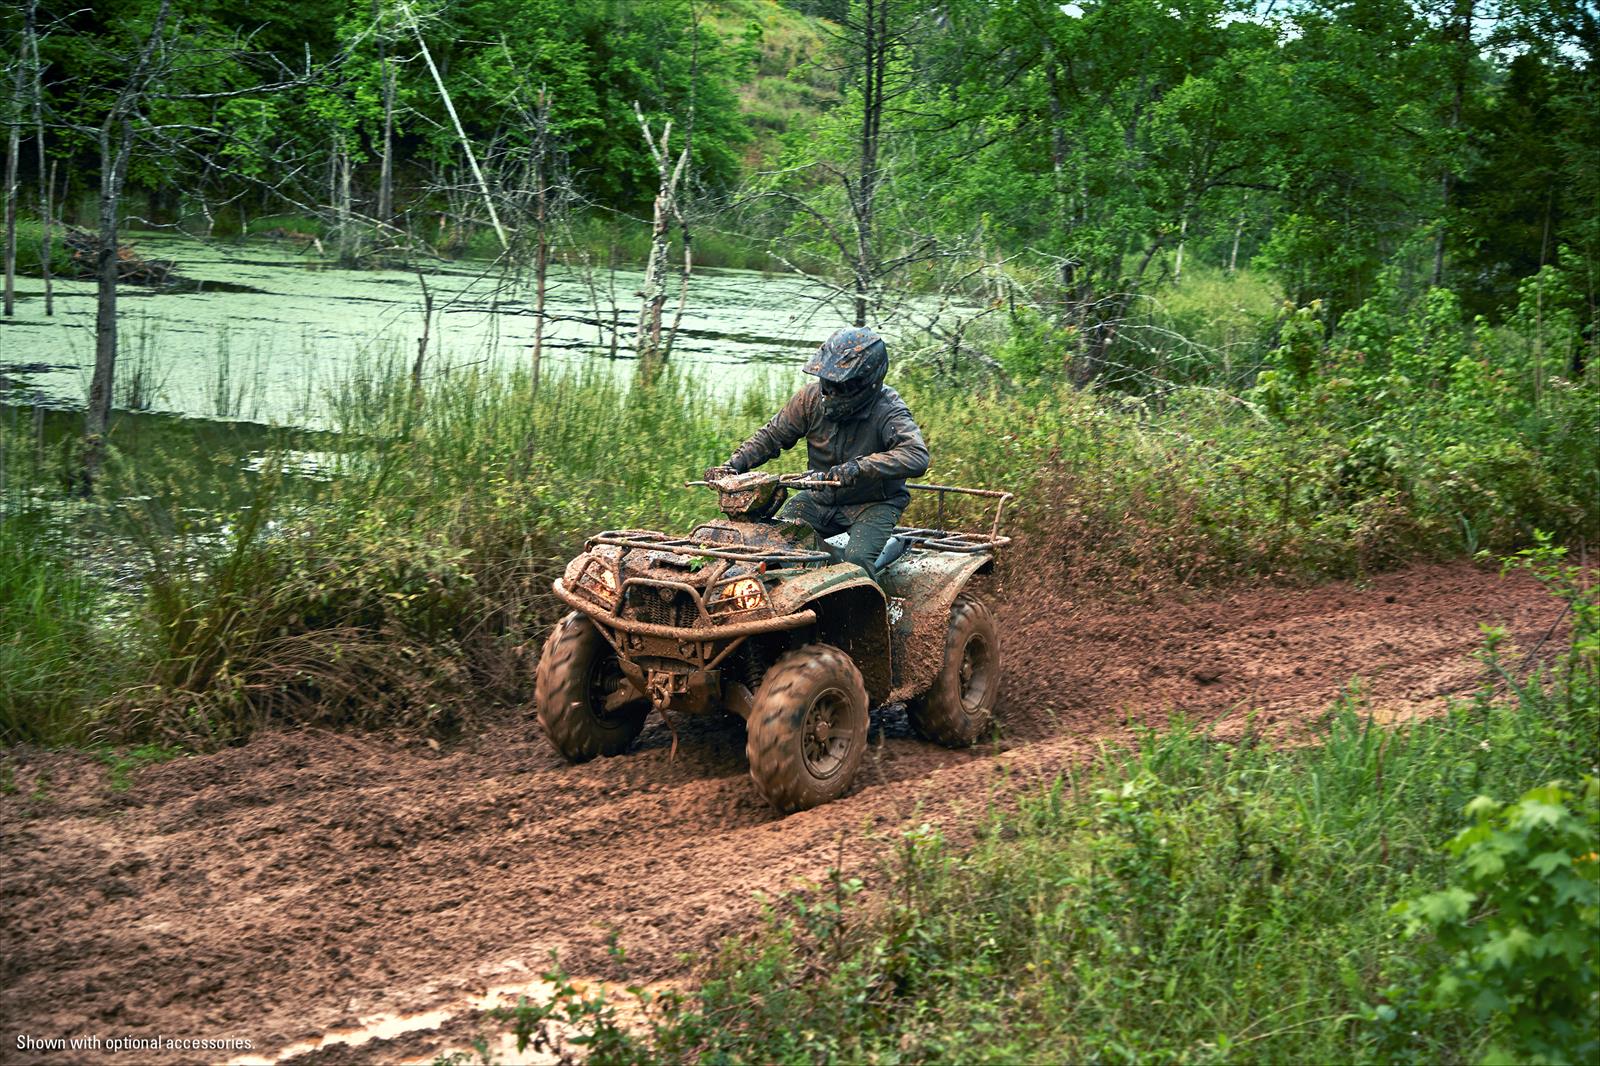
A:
x: 306, y: 883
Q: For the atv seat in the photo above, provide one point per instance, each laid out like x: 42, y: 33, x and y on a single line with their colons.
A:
x: 891, y: 551
x: 896, y: 547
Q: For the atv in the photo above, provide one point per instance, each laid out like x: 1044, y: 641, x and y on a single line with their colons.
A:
x: 754, y: 615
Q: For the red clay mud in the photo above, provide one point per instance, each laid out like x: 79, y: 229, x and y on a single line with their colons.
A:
x: 305, y: 881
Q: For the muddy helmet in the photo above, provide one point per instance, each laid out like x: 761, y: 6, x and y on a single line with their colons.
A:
x: 850, y: 366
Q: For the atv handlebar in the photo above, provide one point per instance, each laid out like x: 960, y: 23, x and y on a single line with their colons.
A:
x: 807, y: 480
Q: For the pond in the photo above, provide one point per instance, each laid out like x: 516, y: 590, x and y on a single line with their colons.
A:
x: 260, y: 332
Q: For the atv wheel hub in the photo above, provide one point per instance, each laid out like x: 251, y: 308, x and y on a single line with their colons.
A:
x: 826, y: 744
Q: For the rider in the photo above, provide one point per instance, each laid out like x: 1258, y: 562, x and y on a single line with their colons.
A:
x: 859, y: 431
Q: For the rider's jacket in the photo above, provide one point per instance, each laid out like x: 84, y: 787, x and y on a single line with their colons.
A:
x: 882, y: 437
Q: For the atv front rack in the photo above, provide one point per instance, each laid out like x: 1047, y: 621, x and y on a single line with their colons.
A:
x: 650, y: 540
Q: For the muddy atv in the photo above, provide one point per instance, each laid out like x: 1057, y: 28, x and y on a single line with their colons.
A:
x: 753, y: 615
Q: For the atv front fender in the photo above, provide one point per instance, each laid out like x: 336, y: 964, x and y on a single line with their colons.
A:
x: 922, y: 587
x: 852, y: 614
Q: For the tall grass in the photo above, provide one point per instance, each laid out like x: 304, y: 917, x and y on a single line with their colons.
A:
x: 419, y: 569
x: 58, y: 648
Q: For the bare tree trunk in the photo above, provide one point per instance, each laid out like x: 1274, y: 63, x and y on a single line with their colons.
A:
x: 1233, y: 253
x: 875, y: 52
x: 1183, y: 239
x: 347, y: 239
x: 541, y: 241
x: 13, y: 146
x: 13, y: 138
x: 422, y: 341
x: 668, y: 175
x: 113, y: 171
x: 116, y: 145
x: 1462, y: 31
x: 655, y: 274
x: 1058, y: 163
x: 46, y: 181
x: 461, y: 133
x: 683, y: 286
x: 386, y: 167
x: 47, y: 211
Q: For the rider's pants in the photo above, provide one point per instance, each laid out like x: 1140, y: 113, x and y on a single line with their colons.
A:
x: 869, y: 524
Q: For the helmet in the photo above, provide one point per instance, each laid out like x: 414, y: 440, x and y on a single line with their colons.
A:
x: 851, y: 365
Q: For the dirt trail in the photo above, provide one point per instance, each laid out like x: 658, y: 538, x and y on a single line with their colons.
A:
x: 304, y: 882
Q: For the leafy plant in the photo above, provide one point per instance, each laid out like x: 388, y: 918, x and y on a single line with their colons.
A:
x: 1521, y: 923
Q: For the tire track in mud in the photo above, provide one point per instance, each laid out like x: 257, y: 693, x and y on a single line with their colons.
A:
x: 307, y: 881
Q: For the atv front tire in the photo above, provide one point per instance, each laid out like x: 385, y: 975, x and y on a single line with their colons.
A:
x: 959, y: 706
x: 808, y: 729
x: 577, y: 673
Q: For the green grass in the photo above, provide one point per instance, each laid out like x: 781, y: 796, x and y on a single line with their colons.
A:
x: 1188, y: 901
x: 29, y: 234
x: 57, y: 651
x: 121, y: 762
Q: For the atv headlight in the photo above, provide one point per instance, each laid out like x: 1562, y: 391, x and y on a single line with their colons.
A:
x: 598, y: 580
x: 746, y: 594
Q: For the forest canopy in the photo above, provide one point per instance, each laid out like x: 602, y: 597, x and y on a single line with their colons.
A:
x: 1105, y: 142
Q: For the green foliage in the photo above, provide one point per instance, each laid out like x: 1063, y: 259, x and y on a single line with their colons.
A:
x: 121, y: 762
x: 1521, y: 923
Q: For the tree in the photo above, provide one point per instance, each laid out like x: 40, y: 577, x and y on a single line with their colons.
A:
x: 116, y: 137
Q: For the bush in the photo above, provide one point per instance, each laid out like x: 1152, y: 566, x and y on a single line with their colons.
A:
x: 1521, y: 924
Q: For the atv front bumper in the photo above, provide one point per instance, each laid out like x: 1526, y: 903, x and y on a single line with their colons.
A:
x: 677, y: 666
x: 721, y: 631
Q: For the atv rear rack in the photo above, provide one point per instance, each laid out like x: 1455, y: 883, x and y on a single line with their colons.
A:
x: 946, y: 540
x: 951, y: 541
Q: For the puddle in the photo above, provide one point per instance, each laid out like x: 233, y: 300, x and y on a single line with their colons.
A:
x: 502, y: 1042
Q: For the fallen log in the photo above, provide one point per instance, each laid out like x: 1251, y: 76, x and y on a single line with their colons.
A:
x: 83, y: 249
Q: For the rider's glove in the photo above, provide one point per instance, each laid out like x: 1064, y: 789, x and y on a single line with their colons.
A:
x: 846, y: 474
x: 717, y: 473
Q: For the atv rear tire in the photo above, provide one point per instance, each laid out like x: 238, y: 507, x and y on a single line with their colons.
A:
x: 808, y: 730
x: 577, y: 671
x: 959, y: 706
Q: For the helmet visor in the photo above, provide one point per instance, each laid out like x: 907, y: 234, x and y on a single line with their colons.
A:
x: 833, y: 389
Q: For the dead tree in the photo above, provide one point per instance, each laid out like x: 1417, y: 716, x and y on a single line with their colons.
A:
x: 14, y: 113
x: 873, y: 40
x: 669, y: 178
x: 455, y: 120
x: 159, y: 68
x: 115, y: 138
x: 541, y: 227
x: 385, y: 207
x: 47, y: 175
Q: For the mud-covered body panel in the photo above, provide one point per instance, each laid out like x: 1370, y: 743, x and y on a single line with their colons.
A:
x: 921, y: 587
x: 852, y: 613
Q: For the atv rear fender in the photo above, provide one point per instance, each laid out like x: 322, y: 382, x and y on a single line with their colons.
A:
x: 923, y: 587
x: 852, y: 614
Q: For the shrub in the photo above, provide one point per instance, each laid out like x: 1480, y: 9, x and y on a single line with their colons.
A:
x: 1521, y: 923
